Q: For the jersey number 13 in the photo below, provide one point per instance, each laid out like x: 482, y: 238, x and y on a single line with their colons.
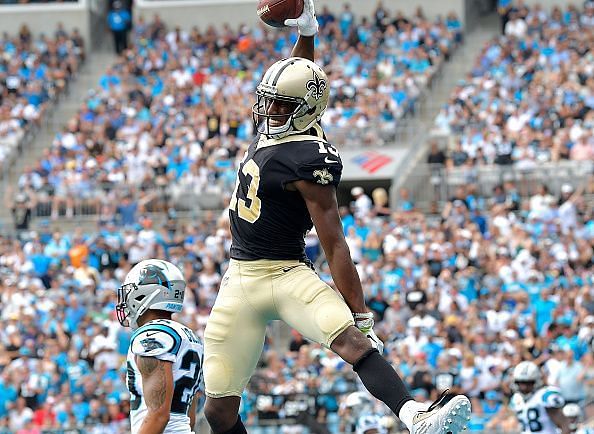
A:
x: 249, y: 208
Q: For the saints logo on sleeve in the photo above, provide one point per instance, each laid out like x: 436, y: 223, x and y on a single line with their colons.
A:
x: 323, y: 176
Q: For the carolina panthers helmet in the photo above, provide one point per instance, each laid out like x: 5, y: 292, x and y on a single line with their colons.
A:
x: 358, y: 400
x: 370, y: 422
x: 150, y: 284
x: 526, y: 377
x: 573, y: 413
x: 295, y: 80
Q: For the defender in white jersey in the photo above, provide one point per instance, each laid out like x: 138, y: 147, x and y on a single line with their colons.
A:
x: 165, y: 358
x: 538, y: 408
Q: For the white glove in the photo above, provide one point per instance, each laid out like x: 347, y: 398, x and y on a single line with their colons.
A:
x: 307, y: 22
x: 364, y: 322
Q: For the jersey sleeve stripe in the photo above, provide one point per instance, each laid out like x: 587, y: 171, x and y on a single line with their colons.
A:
x: 549, y: 393
x: 162, y: 328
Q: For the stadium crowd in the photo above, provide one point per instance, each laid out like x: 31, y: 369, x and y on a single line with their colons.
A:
x: 174, y: 110
x: 529, y: 97
x: 34, y: 70
x: 459, y: 301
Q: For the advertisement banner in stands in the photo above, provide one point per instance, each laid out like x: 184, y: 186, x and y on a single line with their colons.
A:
x: 371, y: 164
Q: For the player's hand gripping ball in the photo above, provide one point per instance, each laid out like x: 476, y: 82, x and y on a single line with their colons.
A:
x: 276, y: 12
x: 290, y: 13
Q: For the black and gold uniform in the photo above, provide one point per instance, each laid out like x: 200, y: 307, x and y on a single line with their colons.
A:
x: 268, y: 276
x: 269, y: 220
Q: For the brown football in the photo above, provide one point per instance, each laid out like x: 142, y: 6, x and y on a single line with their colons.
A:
x: 275, y: 12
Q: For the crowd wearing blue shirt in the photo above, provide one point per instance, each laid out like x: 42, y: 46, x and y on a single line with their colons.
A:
x: 174, y: 111
x: 457, y: 306
x: 34, y: 70
x: 528, y: 98
x: 459, y: 299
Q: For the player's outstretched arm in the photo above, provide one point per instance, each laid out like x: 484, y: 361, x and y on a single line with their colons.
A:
x: 157, y: 385
x: 323, y: 208
x: 559, y: 419
x: 304, y: 48
x: 308, y: 27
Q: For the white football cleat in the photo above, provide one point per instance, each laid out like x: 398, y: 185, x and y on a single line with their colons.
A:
x: 448, y: 415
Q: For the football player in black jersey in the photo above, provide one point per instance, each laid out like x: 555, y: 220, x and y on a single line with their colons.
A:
x: 286, y: 181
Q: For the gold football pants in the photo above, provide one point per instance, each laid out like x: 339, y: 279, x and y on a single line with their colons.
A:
x: 253, y: 293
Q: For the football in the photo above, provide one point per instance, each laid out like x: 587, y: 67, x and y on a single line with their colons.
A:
x: 275, y: 12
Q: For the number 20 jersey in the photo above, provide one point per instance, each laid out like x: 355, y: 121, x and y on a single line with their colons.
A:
x: 269, y: 221
x: 532, y: 412
x: 170, y: 341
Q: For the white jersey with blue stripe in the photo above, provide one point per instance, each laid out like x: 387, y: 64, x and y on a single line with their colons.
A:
x: 170, y: 341
x: 532, y: 411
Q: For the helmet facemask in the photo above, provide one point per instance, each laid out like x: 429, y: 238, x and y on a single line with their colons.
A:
x: 132, y: 303
x: 264, y: 119
x: 525, y: 388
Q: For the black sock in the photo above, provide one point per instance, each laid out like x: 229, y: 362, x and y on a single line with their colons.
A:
x: 238, y: 428
x: 381, y: 380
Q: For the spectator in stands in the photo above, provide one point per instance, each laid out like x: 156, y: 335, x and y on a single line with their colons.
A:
x: 362, y: 203
x: 570, y: 379
x: 21, y: 207
x: 119, y: 20
x: 436, y: 155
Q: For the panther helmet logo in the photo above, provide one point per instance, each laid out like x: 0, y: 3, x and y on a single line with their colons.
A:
x: 324, y: 176
x: 151, y: 275
x: 316, y: 86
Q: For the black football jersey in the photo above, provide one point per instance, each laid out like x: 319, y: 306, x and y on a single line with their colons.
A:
x: 267, y: 220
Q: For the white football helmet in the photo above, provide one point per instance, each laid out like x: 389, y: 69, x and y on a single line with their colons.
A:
x: 370, y: 422
x: 297, y: 81
x: 573, y: 413
x: 527, y: 377
x: 151, y: 284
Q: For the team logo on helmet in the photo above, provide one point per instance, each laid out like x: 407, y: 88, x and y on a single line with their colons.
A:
x: 153, y: 275
x: 316, y: 85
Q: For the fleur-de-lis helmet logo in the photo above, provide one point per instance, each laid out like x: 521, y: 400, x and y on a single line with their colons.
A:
x: 316, y: 86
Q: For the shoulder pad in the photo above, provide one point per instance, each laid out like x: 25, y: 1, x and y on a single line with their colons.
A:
x: 156, y: 340
x: 551, y: 397
x: 317, y: 161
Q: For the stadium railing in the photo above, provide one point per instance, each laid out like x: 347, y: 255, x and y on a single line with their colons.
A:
x: 444, y: 181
